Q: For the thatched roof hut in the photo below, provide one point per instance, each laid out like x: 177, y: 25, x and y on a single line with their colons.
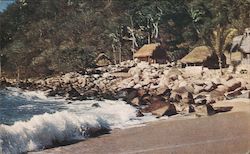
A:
x: 151, y: 53
x: 202, y: 56
x: 242, y: 43
x: 147, y: 50
x: 102, y: 60
x: 197, y: 55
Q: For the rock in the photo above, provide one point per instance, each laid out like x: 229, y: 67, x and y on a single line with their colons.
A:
x: 180, y: 90
x: 175, y: 97
x: 141, y: 92
x: 128, y: 94
x: 135, y: 101
x: 189, y: 88
x: 139, y: 114
x: 198, y: 89
x: 187, y: 98
x: 136, y: 78
x: 173, y: 77
x: 232, y: 85
x: 216, y: 81
x: 145, y: 99
x: 96, y: 105
x: 174, y: 71
x: 97, y: 75
x: 106, y: 75
x: 184, y: 108
x: 217, y: 95
x: 200, y: 101
x: 91, y: 93
x: 156, y: 102
x: 183, y: 84
x: 247, y: 86
x: 234, y: 94
x: 167, y: 110
x: 245, y: 95
x: 131, y: 84
x: 137, y: 86
x: 142, y: 65
x: 210, y: 87
x: 204, y: 110
x: 163, y: 91
x: 222, y: 88
x: 199, y: 83
x: 229, y: 77
x: 72, y: 92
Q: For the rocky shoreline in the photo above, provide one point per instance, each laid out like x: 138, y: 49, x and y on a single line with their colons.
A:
x: 163, y: 90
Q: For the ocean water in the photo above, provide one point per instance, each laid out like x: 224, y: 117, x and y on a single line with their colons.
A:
x: 30, y: 121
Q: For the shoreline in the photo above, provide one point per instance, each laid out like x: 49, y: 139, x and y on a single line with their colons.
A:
x: 165, y: 92
x: 184, y: 135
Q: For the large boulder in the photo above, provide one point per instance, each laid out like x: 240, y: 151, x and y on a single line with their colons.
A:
x: 72, y: 92
x: 210, y: 87
x: 232, y: 85
x: 204, y: 110
x: 222, y: 88
x: 198, y: 89
x: 127, y: 94
x: 217, y: 95
x: 244, y: 95
x: 168, y: 110
x: 156, y: 102
x: 187, y: 98
x: 175, y: 97
x: 173, y: 72
x: 234, y: 94
x: 163, y: 90
x: 135, y: 101
x: 184, y: 108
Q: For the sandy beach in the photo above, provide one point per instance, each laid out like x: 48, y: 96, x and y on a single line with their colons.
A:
x: 222, y: 133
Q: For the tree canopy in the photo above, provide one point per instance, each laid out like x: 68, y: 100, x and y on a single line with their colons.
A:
x: 56, y: 36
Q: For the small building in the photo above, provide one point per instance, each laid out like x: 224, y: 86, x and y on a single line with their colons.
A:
x: 152, y: 53
x: 203, y: 56
x: 242, y: 43
x: 102, y: 60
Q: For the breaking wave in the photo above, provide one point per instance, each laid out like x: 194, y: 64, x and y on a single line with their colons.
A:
x: 78, y: 121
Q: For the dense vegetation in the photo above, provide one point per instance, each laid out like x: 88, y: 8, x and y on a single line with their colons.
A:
x: 41, y: 37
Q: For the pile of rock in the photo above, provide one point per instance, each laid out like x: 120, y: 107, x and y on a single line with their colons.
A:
x: 159, y: 89
x: 166, y: 91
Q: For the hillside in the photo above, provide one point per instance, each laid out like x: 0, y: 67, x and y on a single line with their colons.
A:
x: 40, y: 38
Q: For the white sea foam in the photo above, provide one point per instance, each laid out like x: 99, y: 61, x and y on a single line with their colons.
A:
x: 32, y: 95
x: 78, y: 121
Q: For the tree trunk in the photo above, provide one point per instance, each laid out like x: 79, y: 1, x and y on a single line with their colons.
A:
x: 149, y: 39
x: 114, y: 53
x: 219, y: 46
x: 18, y: 76
x: 120, y: 52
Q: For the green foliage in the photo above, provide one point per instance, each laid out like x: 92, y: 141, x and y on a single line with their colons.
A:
x: 63, y: 35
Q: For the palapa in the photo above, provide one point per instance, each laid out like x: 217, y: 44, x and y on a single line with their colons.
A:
x: 147, y: 50
x: 197, y: 55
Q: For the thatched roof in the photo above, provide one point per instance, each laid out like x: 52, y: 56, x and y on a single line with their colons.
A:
x: 102, y: 56
x: 242, y: 42
x: 147, y: 50
x: 102, y: 60
x: 198, y: 55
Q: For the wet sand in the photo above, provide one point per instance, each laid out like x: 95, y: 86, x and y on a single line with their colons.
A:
x: 227, y: 133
